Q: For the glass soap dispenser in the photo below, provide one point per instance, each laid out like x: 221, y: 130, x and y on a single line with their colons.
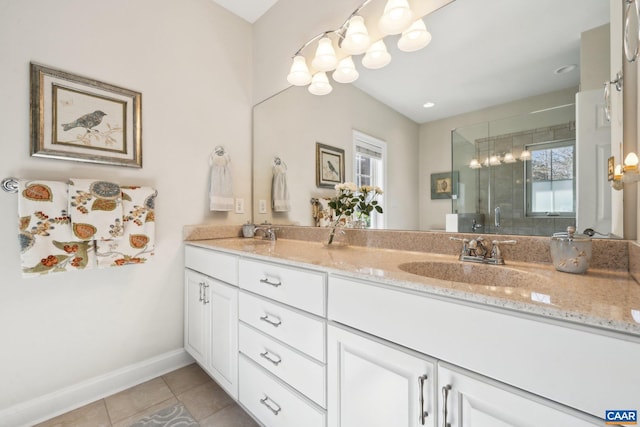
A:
x: 571, y: 252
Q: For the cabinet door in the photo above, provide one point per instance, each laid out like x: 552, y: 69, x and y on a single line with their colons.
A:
x: 221, y: 301
x: 471, y: 400
x: 196, y: 322
x: 374, y: 384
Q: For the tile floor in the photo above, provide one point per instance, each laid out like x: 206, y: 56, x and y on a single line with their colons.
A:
x: 203, y: 398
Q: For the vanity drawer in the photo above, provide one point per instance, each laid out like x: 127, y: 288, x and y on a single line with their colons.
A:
x: 299, y: 330
x: 302, y: 373
x: 273, y: 403
x: 303, y: 289
x: 212, y: 263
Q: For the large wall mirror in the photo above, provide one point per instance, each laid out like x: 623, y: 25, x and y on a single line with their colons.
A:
x: 483, y: 70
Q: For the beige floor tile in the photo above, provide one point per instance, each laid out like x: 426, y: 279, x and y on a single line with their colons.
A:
x: 185, y: 378
x: 205, y: 399
x: 231, y: 416
x: 126, y: 422
x: 137, y: 399
x: 91, y: 415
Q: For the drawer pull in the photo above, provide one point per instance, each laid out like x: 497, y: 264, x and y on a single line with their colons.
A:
x: 266, y: 281
x: 204, y: 294
x: 201, y: 284
x: 423, y: 414
x: 445, y: 397
x: 267, y: 355
x: 265, y: 401
x: 267, y: 318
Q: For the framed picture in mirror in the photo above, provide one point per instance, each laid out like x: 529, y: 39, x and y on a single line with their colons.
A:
x: 329, y: 165
x: 444, y: 185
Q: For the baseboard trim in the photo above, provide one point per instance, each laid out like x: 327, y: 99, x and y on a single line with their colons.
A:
x: 69, y: 398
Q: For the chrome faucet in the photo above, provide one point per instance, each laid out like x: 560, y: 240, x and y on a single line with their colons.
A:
x: 477, y: 250
x: 268, y: 232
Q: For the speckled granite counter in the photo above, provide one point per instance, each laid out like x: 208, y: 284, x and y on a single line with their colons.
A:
x: 604, y: 299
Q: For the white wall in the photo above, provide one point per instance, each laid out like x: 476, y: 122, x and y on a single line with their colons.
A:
x: 192, y: 62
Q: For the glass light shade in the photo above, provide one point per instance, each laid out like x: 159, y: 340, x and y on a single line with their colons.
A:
x: 376, y: 56
x: 474, y: 164
x: 508, y: 158
x: 631, y: 162
x: 415, y: 37
x: 325, y: 59
x: 486, y: 162
x: 494, y: 160
x: 356, y: 40
x: 320, y: 84
x: 396, y: 18
x: 617, y: 172
x: 299, y: 74
x: 346, y: 71
x: 525, y: 155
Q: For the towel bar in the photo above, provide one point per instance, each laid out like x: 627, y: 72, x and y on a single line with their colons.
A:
x: 10, y: 185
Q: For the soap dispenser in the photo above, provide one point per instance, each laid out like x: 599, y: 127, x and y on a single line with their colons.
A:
x: 571, y: 252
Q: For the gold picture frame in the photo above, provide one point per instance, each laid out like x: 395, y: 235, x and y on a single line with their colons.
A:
x: 80, y: 119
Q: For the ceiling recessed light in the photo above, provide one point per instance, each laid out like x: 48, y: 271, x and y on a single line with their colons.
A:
x: 428, y: 104
x: 565, y: 69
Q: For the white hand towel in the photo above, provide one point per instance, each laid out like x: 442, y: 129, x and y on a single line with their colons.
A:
x: 221, y: 189
x: 279, y: 189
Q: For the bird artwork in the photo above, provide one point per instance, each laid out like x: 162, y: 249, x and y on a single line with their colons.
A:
x: 88, y: 121
x: 332, y: 168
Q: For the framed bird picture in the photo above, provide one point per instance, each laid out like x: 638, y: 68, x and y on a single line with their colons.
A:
x: 81, y: 119
x: 329, y: 166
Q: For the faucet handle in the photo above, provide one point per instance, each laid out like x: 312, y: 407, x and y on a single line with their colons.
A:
x: 496, y: 253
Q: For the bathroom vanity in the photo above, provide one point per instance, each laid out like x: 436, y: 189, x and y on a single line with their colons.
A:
x: 298, y: 332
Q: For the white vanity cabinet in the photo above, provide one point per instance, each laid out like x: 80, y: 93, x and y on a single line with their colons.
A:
x: 377, y: 384
x: 211, y: 314
x: 470, y: 400
x: 282, y: 336
x: 569, y: 365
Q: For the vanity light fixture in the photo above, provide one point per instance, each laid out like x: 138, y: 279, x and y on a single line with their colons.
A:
x: 320, y: 84
x: 396, y: 18
x: 627, y: 172
x: 356, y: 40
x: 335, y: 48
x: 525, y: 155
x: 346, y: 71
x: 415, y: 37
x: 508, y: 158
x: 376, y: 56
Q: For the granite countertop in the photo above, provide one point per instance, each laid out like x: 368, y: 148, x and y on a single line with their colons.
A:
x: 604, y: 299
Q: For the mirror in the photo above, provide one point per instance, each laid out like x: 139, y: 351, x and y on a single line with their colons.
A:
x: 290, y: 124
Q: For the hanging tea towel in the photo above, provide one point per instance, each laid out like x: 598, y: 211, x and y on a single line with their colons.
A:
x: 279, y: 189
x: 137, y: 244
x: 46, y: 242
x: 221, y: 189
x: 95, y: 208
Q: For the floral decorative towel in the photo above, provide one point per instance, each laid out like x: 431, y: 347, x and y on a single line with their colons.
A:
x: 46, y: 241
x: 138, y: 240
x: 95, y: 208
